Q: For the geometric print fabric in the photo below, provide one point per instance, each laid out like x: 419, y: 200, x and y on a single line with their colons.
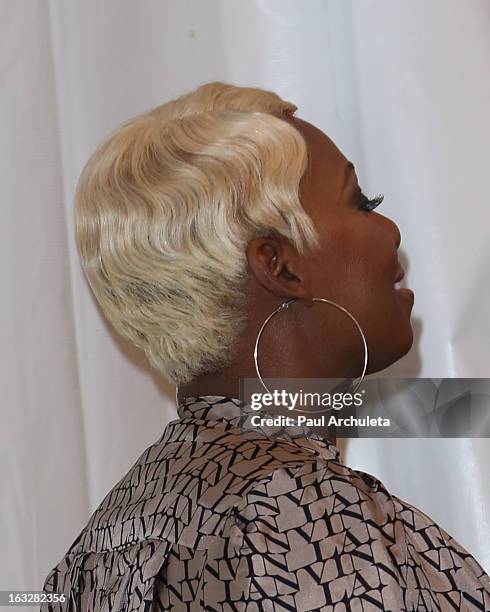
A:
x: 214, y: 518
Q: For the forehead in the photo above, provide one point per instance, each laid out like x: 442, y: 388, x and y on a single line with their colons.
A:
x: 319, y: 144
x: 326, y: 170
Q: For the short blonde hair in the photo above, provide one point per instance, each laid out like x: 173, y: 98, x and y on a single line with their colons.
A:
x: 164, y: 210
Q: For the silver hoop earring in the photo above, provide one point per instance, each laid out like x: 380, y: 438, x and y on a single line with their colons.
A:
x: 177, y: 396
x: 286, y: 305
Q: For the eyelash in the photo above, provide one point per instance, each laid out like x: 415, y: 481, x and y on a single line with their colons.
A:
x: 368, y: 205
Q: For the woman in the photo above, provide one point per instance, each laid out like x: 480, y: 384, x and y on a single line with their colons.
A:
x: 194, y: 222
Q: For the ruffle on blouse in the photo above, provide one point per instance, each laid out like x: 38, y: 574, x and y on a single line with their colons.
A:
x: 116, y: 580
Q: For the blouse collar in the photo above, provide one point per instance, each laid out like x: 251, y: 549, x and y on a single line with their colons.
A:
x: 236, y: 413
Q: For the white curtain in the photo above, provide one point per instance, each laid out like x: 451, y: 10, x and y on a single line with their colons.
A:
x: 401, y: 87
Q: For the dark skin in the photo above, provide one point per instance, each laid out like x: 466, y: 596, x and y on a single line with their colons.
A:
x: 355, y: 267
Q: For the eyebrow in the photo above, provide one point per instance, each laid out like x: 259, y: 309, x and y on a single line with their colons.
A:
x: 348, y: 166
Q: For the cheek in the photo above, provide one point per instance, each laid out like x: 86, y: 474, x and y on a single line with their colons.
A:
x: 353, y: 265
x: 355, y: 268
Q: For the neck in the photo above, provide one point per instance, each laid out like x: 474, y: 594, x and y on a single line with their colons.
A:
x: 228, y: 386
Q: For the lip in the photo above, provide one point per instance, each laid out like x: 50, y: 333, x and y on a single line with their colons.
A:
x: 406, y: 294
x: 400, y: 274
x: 403, y: 292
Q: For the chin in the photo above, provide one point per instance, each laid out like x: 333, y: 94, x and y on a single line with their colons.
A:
x: 409, y: 342
x: 392, y: 350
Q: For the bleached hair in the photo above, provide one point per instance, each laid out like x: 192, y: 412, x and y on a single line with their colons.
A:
x: 165, y: 208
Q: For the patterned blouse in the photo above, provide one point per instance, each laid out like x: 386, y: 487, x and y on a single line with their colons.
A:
x: 212, y: 517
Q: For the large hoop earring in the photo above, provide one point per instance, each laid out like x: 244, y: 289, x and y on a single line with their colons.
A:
x: 286, y: 305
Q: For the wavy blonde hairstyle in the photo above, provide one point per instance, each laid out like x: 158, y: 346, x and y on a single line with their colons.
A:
x: 165, y: 208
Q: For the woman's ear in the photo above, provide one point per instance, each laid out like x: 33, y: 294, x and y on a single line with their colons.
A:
x: 276, y: 266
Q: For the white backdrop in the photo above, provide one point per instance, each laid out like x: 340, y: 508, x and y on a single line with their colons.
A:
x: 402, y: 87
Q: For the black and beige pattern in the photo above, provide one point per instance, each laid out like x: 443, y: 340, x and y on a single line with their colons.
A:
x: 214, y: 518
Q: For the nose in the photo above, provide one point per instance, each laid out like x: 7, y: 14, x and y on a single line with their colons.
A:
x: 398, y: 236
x: 393, y: 228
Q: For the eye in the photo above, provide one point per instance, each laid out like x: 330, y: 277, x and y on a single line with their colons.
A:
x: 369, y: 205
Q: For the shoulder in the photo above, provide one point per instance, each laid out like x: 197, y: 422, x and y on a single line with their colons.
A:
x: 178, y: 495
x: 302, y: 536
x: 312, y: 502
x: 190, y: 477
x: 328, y: 530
